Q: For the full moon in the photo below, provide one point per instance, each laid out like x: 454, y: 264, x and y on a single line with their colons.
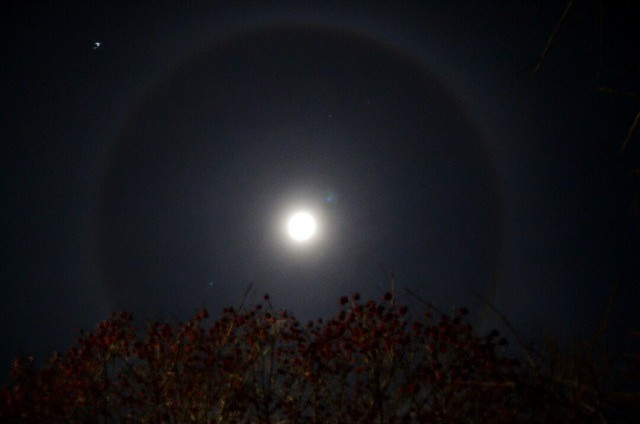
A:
x: 301, y: 226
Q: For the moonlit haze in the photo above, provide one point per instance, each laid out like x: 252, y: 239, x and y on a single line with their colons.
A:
x: 161, y: 157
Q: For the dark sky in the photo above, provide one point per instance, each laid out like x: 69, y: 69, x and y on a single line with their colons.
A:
x: 154, y: 173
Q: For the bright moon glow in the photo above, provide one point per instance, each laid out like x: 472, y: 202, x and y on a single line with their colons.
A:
x: 301, y: 226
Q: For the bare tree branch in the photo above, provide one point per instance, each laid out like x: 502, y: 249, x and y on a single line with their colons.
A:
x: 552, y: 38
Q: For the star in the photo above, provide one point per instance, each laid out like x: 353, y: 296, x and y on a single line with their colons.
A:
x: 96, y: 45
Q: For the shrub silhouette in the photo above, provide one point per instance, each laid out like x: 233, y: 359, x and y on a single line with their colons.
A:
x: 368, y: 364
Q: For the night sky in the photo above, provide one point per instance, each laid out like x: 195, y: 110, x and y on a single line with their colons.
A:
x: 154, y: 172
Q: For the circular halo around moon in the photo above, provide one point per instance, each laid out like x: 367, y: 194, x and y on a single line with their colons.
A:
x: 196, y: 194
x: 301, y: 226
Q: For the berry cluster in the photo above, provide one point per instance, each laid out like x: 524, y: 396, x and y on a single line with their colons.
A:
x: 368, y: 364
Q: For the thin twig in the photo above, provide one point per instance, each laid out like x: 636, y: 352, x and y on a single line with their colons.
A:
x: 610, y: 90
x: 605, y: 316
x: 630, y: 132
x: 508, y: 324
x: 421, y: 300
x: 238, y: 309
x: 552, y: 38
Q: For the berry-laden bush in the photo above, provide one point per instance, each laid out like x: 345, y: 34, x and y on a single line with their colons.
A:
x: 368, y: 364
